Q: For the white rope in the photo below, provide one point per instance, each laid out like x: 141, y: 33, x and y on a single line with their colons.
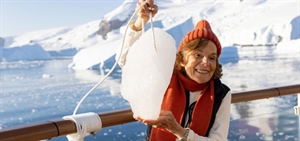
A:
x: 143, y: 27
x: 115, y: 64
x: 153, y: 36
x: 90, y: 122
x: 85, y: 124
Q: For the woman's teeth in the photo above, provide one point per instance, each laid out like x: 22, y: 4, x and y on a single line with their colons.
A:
x: 202, y: 71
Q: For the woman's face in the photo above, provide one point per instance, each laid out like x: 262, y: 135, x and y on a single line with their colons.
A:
x: 200, y: 64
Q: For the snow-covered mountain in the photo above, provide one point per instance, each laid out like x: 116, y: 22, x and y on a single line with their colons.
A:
x: 235, y: 22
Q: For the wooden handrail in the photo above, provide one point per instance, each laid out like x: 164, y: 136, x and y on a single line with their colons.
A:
x: 264, y: 93
x: 56, y: 128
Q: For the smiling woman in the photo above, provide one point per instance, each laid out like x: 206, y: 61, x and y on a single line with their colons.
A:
x: 44, y: 14
x: 196, y: 104
x: 201, y: 51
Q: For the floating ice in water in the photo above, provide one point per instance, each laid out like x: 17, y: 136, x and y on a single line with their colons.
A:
x: 47, y: 75
x: 147, y: 73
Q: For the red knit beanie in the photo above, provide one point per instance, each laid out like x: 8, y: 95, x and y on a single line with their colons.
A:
x: 202, y: 30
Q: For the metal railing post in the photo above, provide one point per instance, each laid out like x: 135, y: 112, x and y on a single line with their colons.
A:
x: 297, y: 108
x: 297, y: 113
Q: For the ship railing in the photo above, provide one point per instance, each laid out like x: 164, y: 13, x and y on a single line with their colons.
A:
x: 55, y: 128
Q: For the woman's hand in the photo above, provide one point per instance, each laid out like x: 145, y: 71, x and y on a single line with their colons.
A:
x: 144, y: 13
x: 167, y: 121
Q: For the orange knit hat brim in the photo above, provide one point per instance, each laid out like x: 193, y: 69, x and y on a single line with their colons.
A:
x: 202, y: 30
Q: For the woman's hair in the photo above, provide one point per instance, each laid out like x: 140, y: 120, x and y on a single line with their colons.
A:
x: 191, y: 46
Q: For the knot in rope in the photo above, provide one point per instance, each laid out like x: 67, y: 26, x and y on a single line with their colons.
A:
x: 86, y: 123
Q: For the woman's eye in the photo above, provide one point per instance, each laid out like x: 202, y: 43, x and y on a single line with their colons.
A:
x: 212, y: 58
x: 197, y: 55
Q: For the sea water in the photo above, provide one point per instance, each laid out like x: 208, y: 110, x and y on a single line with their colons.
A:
x: 38, y: 91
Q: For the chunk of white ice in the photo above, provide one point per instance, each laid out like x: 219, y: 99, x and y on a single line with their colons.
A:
x: 147, y: 73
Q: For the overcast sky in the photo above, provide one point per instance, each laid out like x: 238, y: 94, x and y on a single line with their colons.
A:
x: 21, y: 16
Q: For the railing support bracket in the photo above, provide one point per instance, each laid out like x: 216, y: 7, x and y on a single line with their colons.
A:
x: 297, y: 110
